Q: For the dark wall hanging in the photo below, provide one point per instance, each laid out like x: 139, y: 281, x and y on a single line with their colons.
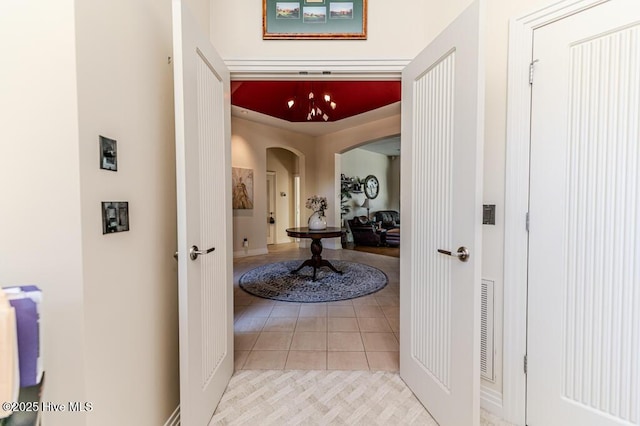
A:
x: 108, y: 154
x: 115, y: 216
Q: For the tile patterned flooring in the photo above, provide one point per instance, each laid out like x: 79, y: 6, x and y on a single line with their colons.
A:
x: 357, y: 334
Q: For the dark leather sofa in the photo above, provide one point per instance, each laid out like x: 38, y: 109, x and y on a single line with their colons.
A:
x: 364, y: 232
x: 390, y: 218
x: 392, y: 237
x: 390, y: 221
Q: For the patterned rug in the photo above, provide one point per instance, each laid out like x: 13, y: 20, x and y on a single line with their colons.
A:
x: 275, y: 281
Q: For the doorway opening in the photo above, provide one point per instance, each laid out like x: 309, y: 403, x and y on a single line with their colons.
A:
x: 283, y: 169
x: 325, y: 174
x: 370, y: 196
x: 311, y: 336
x: 271, y: 207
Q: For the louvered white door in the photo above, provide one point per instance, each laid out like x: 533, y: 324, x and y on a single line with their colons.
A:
x: 584, y: 253
x: 203, y: 172
x: 442, y: 119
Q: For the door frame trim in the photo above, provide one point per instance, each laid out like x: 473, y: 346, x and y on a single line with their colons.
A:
x: 316, y: 69
x: 517, y: 198
x: 337, y: 69
x: 275, y: 182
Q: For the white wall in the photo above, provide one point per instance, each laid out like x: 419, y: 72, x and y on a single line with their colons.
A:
x: 72, y: 71
x: 125, y: 92
x: 249, y: 144
x: 393, y: 180
x: 361, y: 163
x: 317, y: 168
x: 201, y: 11
x: 236, y: 31
x: 40, y: 240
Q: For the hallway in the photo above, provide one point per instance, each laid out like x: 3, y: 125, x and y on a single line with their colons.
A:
x: 357, y: 334
x: 328, y: 354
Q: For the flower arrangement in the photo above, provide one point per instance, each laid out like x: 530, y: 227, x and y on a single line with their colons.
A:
x: 317, y: 204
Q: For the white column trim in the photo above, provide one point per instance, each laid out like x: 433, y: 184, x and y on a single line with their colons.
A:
x: 491, y: 400
x: 517, y: 199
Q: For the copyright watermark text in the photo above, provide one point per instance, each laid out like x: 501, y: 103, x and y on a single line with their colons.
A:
x: 36, y: 406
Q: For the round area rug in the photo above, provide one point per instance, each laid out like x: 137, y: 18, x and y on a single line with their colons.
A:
x: 275, y: 281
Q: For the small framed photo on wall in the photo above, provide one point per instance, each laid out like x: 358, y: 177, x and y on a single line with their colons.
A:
x: 108, y: 154
x: 115, y: 216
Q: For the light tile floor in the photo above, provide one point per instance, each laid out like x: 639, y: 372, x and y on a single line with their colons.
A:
x: 357, y: 334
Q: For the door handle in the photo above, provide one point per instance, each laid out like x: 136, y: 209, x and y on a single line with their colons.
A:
x: 194, y: 252
x: 462, y: 254
x: 175, y: 255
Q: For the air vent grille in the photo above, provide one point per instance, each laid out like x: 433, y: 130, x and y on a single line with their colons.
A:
x: 486, y: 330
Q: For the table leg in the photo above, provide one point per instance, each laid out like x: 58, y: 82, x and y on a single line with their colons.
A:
x: 316, y: 260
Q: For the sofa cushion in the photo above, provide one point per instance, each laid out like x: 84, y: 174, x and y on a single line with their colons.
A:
x: 388, y: 218
x: 361, y: 220
x: 364, y: 234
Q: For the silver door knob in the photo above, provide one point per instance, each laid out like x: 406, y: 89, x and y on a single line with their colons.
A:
x: 194, y: 252
x: 462, y: 254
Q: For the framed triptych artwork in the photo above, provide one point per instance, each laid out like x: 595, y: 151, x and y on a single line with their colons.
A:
x: 314, y: 19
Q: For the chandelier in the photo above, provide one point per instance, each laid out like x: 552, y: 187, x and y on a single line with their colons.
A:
x: 316, y: 110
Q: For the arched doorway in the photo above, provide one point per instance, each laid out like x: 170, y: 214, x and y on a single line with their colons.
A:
x: 283, y: 167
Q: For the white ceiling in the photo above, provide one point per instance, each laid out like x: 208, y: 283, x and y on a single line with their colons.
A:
x: 387, y: 146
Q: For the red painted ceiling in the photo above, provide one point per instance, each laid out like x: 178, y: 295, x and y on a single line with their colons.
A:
x: 351, y: 97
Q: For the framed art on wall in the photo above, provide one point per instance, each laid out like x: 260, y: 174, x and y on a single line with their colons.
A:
x: 108, y: 154
x: 115, y: 216
x: 242, y: 190
x: 314, y: 19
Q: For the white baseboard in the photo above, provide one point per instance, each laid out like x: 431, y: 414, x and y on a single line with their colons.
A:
x: 253, y: 252
x: 332, y: 244
x: 491, y: 400
x: 174, y: 419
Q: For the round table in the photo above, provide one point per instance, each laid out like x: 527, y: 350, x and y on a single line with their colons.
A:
x: 316, y: 237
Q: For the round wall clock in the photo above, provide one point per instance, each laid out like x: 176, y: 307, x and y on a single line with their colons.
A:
x: 371, y: 186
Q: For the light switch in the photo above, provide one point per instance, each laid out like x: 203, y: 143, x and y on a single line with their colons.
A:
x: 488, y: 214
x: 115, y: 216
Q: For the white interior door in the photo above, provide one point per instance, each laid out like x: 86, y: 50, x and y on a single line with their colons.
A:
x: 442, y: 143
x: 203, y: 158
x: 584, y: 237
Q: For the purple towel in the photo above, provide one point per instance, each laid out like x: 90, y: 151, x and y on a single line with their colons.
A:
x: 28, y: 340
